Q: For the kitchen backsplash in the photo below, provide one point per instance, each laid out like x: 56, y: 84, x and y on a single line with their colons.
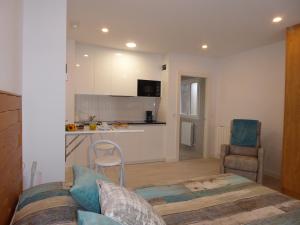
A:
x: 111, y: 108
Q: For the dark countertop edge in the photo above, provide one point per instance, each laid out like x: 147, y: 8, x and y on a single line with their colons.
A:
x: 132, y: 123
x: 145, y: 123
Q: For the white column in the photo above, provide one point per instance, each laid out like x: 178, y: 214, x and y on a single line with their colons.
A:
x: 43, y: 61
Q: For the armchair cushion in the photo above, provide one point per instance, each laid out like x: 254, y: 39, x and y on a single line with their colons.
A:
x: 244, y: 132
x: 239, y: 162
x: 241, y: 150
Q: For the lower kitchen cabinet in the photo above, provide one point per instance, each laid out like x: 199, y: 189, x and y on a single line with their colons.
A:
x: 147, y: 146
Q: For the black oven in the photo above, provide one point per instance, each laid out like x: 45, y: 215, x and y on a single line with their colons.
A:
x: 149, y: 88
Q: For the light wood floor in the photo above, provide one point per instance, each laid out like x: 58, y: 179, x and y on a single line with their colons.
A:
x: 152, y: 173
x: 138, y: 175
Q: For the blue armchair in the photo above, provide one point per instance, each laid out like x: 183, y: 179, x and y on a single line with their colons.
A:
x: 244, y: 155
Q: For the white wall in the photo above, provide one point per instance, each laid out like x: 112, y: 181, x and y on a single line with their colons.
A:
x: 44, y: 57
x: 192, y: 65
x: 163, y: 107
x: 251, y: 85
x: 10, y: 45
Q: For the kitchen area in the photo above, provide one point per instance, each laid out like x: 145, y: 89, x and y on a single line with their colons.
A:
x: 114, y: 95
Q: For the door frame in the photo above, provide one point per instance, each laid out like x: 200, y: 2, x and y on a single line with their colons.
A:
x: 207, y: 88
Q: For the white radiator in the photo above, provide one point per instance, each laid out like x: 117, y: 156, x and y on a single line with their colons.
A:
x: 187, y: 133
x: 223, y: 136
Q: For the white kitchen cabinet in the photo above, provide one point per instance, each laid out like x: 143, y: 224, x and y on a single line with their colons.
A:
x: 130, y: 144
x: 83, y: 78
x: 110, y: 72
x: 147, y: 146
x: 148, y: 67
x: 124, y: 75
x: 153, y: 142
x: 103, y: 72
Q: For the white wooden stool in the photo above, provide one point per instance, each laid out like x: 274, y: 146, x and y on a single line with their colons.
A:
x: 107, y: 154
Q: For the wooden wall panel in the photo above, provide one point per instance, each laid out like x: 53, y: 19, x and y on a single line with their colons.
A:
x: 10, y: 154
x: 291, y: 142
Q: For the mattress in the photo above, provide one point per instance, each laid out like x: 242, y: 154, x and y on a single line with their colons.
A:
x: 223, y: 200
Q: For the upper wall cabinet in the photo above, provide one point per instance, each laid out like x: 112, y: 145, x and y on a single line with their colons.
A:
x: 124, y: 75
x: 83, y: 77
x: 104, y: 71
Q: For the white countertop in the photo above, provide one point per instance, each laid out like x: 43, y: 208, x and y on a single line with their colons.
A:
x: 113, y: 130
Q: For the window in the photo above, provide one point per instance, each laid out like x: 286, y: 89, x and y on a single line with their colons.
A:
x: 194, y: 99
x: 189, y: 98
x: 185, y: 98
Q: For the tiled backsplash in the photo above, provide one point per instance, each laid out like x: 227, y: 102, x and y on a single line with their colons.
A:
x: 111, y: 108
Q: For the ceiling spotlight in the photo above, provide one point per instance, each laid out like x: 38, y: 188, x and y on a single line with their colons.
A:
x: 86, y: 55
x: 77, y: 65
x: 131, y: 45
x: 105, y: 30
x: 74, y: 26
x: 204, y: 46
x: 277, y: 19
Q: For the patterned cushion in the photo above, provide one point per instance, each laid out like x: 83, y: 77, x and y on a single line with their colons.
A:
x: 239, y: 162
x: 85, y: 190
x: 240, y: 150
x: 126, y: 207
x: 90, y: 218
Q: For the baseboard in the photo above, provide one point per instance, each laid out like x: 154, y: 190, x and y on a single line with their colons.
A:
x: 169, y: 160
x: 145, y: 161
x: 272, y: 174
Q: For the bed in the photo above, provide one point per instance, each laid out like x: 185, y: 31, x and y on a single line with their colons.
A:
x: 225, y: 199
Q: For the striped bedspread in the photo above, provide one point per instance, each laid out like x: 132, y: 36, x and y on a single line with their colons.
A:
x: 221, y: 200
x: 46, y: 204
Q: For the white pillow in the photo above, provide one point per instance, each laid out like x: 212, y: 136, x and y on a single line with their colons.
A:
x: 126, y: 207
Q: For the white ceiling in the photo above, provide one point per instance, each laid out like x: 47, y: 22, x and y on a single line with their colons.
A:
x: 162, y: 26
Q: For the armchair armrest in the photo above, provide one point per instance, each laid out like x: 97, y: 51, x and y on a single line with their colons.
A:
x: 225, y: 150
x: 260, y: 172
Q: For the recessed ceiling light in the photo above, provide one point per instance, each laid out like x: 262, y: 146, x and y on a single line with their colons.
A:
x: 75, y: 26
x: 131, y: 45
x: 105, y: 30
x: 86, y: 55
x: 77, y: 65
x: 277, y: 19
x: 204, y: 46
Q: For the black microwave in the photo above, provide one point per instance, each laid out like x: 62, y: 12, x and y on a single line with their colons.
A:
x: 149, y: 88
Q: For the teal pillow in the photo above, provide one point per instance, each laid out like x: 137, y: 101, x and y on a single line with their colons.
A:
x: 90, y: 218
x: 85, y: 190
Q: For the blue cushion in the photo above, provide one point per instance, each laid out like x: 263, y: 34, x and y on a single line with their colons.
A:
x: 85, y: 190
x: 90, y: 218
x: 244, y: 132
